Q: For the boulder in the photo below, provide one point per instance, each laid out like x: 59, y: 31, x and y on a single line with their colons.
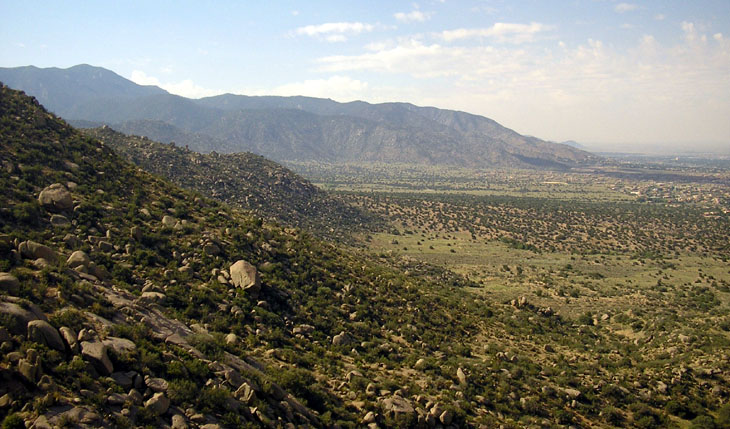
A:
x: 42, y: 332
x: 232, y: 339
x: 156, y: 384
x: 96, y: 353
x: 446, y: 417
x: 32, y: 250
x: 9, y: 283
x: 420, y: 364
x: 56, y: 198
x: 60, y: 221
x: 78, y: 258
x: 461, y: 376
x: 397, y: 405
x: 169, y: 221
x: 136, y: 233
x: 123, y: 380
x: 341, y: 339
x: 245, y: 393
x: 29, y: 370
x: 120, y: 346
x: 178, y: 422
x: 152, y: 297
x: 17, y: 317
x: 245, y: 275
x: 158, y: 404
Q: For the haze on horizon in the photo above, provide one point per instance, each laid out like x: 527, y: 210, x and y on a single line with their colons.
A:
x: 648, y: 76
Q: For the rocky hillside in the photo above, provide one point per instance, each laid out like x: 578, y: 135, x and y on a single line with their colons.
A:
x: 246, y: 180
x: 300, y: 128
x: 127, y: 301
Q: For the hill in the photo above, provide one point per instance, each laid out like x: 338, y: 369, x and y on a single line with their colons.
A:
x: 246, y: 180
x: 302, y: 128
x: 127, y: 301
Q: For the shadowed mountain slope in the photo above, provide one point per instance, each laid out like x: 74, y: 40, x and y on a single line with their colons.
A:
x: 244, y: 179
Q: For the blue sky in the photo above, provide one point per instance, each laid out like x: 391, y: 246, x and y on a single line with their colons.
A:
x: 634, y: 74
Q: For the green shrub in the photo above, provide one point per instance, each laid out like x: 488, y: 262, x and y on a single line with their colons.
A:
x: 13, y: 421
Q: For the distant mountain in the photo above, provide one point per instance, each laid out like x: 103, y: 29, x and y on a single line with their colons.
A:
x: 290, y: 128
x: 58, y: 88
x: 574, y: 144
x: 245, y: 180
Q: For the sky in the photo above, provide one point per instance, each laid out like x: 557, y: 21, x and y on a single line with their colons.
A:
x: 633, y: 76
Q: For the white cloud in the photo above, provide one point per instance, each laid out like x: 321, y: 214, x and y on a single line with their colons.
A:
x: 335, y: 31
x: 500, y: 31
x: 185, y: 88
x: 592, y: 91
x: 625, y: 7
x: 414, y: 16
x: 660, y: 17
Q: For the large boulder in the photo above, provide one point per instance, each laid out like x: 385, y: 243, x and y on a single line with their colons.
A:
x: 17, y: 317
x: 158, y: 404
x: 341, y: 339
x: 42, y: 332
x: 32, y: 250
x: 9, y: 283
x: 78, y: 258
x: 69, y: 337
x: 398, y: 406
x: 56, y: 198
x: 95, y: 353
x: 245, y: 275
x: 120, y: 346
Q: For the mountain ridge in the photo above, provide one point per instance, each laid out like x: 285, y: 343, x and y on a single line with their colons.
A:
x: 305, y: 128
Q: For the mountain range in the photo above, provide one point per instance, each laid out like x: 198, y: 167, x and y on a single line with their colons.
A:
x: 288, y: 128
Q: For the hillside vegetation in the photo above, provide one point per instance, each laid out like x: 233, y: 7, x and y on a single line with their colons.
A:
x: 249, y: 181
x: 128, y: 301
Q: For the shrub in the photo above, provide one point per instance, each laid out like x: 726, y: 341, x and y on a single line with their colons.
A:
x: 13, y: 421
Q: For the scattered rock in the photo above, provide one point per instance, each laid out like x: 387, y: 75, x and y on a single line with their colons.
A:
x: 232, y: 339
x: 245, y: 275
x: 78, y: 258
x: 572, y: 393
x: 9, y: 283
x: 60, y: 221
x: 17, y: 318
x: 153, y: 297
x: 96, y: 353
x: 136, y: 233
x: 56, y: 198
x: 369, y: 418
x: 157, y: 404
x: 32, y: 250
x: 397, y: 405
x: 178, y: 422
x: 42, y: 332
x: 169, y: 221
x: 420, y: 364
x: 156, y: 384
x: 120, y: 346
x: 245, y: 393
x: 341, y: 339
x: 461, y: 376
x: 117, y: 399
x: 303, y: 329
x: 446, y: 417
